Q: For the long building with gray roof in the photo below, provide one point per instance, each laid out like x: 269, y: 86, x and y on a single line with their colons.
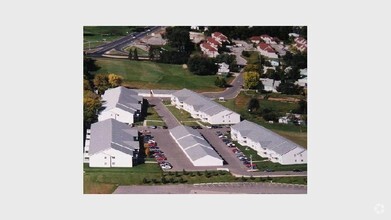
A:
x: 112, y: 144
x: 122, y: 104
x: 195, y: 147
x: 268, y: 144
x: 203, y: 108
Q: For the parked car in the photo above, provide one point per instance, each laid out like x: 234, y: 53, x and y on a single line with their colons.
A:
x: 153, y: 127
x: 269, y: 170
x: 297, y: 170
x: 164, y: 127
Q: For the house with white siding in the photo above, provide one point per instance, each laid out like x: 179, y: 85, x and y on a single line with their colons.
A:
x: 121, y: 104
x: 268, y: 144
x: 203, y: 108
x: 111, y: 144
x: 195, y: 147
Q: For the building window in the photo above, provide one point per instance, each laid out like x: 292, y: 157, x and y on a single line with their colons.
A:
x: 105, y: 163
x: 105, y: 157
x: 86, y: 151
x: 302, y: 160
x: 295, y: 160
x: 113, y: 157
x: 113, y: 163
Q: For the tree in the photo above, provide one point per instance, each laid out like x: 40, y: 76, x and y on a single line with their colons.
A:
x: 289, y: 88
x: 202, y: 65
x: 251, y: 79
x: 101, y: 83
x: 253, y: 104
x: 91, y: 104
x: 253, y: 67
x: 135, y: 55
x: 114, y: 80
x: 220, y: 82
x: 179, y: 37
x: 302, y: 109
x: 86, y: 85
x: 130, y: 55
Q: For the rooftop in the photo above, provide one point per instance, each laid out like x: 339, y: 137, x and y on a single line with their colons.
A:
x: 113, y: 134
x: 265, y: 137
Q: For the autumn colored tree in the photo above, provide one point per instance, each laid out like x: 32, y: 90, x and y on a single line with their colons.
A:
x: 251, y: 79
x: 114, y: 80
x: 101, y: 83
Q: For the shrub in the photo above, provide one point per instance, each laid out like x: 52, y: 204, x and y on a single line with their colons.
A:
x: 244, y: 179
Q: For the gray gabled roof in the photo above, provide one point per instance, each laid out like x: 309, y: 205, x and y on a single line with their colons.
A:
x: 199, y: 102
x: 111, y: 133
x: 265, y: 137
x: 123, y: 98
x: 193, y: 143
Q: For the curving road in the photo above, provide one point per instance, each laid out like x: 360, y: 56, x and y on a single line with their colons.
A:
x: 230, y: 92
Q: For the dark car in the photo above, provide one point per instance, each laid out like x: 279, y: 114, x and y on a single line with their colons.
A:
x: 164, y: 127
x: 269, y: 170
x: 297, y: 170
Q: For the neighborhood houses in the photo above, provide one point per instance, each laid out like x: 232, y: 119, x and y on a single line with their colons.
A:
x: 191, y: 105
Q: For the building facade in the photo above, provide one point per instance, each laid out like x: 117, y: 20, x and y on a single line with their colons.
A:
x: 203, y: 108
x: 268, y: 144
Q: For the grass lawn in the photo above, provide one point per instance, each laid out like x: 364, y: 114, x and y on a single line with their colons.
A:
x: 140, y: 51
x: 105, y: 180
x: 190, y: 123
x: 151, y: 75
x: 181, y: 115
x: 297, y: 134
x: 156, y: 123
x: 152, y: 114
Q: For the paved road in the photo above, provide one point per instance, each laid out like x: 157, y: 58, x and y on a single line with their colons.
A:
x: 219, y: 188
x: 230, y: 92
x: 120, y: 43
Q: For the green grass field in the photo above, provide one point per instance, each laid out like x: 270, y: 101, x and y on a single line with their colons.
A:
x: 179, y: 114
x: 150, y: 75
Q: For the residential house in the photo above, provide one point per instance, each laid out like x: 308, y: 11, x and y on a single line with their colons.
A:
x: 300, y: 44
x: 270, y: 85
x: 267, y: 39
x: 223, y: 69
x: 203, y: 108
x: 195, y: 147
x: 220, y: 37
x: 209, y: 50
x: 266, y: 50
x: 213, y: 42
x: 121, y: 104
x: 268, y: 144
x: 111, y: 144
x: 255, y: 39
